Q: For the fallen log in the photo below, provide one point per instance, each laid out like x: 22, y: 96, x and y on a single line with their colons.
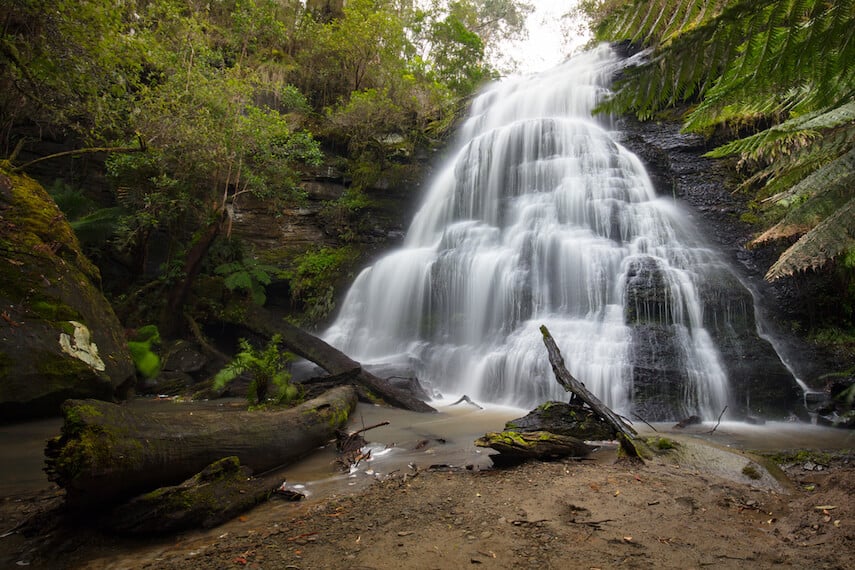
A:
x: 335, y: 362
x: 626, y: 434
x: 516, y: 447
x: 107, y: 453
x: 220, y: 492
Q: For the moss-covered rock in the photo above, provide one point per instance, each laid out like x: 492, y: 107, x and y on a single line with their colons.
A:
x: 59, y: 338
x: 564, y: 419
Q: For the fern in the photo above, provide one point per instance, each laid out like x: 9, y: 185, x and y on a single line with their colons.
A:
x: 267, y: 370
x: 249, y: 275
x: 833, y: 237
x: 146, y: 361
x: 742, y: 62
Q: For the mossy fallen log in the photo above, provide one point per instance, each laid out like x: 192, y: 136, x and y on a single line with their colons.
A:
x: 331, y: 359
x: 516, y: 447
x: 108, y: 453
x: 220, y: 492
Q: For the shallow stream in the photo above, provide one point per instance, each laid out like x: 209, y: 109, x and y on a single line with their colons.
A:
x: 420, y: 440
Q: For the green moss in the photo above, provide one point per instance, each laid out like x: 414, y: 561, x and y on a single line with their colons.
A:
x: 54, y: 311
x: 146, y: 361
x: 800, y: 456
x: 510, y: 438
x: 664, y: 443
x: 752, y: 472
x: 40, y: 225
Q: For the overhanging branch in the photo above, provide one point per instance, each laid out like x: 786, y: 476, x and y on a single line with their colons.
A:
x: 140, y: 148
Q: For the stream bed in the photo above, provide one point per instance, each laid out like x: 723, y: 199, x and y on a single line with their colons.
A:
x: 411, y: 441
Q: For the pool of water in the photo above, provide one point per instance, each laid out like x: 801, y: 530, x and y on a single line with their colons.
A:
x: 410, y: 441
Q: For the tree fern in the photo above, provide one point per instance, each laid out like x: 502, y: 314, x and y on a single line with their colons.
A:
x: 789, y: 133
x: 748, y: 62
x: 833, y: 237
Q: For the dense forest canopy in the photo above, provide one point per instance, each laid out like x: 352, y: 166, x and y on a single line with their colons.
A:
x: 226, y: 98
x: 208, y: 101
x: 777, y: 77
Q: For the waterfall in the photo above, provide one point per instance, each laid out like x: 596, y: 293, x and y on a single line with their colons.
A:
x: 542, y: 217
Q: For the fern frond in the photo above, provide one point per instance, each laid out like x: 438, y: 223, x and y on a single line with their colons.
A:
x: 833, y: 237
x: 816, y: 198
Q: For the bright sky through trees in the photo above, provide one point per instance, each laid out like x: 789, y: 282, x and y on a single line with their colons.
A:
x: 551, y: 38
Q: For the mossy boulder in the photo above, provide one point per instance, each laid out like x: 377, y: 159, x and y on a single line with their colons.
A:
x: 59, y: 338
x: 562, y: 418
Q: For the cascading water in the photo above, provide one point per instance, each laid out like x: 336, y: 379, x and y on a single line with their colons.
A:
x: 541, y: 217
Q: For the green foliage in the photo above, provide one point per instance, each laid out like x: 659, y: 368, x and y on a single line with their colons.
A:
x: 314, y: 276
x: 247, y: 274
x: 267, y: 370
x: 147, y: 362
x: 229, y: 97
x: 786, y: 65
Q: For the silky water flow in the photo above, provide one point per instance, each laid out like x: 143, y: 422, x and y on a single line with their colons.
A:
x: 540, y: 217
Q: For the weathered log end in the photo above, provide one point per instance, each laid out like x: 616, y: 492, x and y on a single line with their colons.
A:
x: 515, y: 447
x: 218, y: 493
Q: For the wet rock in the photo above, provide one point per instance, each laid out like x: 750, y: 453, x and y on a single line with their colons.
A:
x: 59, y: 338
x: 563, y: 419
x: 760, y: 384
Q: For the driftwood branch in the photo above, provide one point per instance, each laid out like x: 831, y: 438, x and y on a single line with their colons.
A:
x: 468, y: 400
x: 646, y: 422
x: 330, y: 359
x: 626, y: 435
x: 571, y: 384
x: 719, y: 420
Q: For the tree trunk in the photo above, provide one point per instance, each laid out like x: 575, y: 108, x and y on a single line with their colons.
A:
x: 107, y: 452
x: 171, y: 319
x: 330, y: 359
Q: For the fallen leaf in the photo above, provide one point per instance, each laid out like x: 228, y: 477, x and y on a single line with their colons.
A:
x: 628, y: 538
x: 242, y: 518
x: 837, y: 523
x: 617, y: 492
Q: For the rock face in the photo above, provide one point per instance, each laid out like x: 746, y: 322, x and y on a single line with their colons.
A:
x: 59, y: 338
x: 760, y: 384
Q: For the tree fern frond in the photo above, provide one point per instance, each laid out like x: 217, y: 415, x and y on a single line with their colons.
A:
x: 795, y: 131
x: 835, y: 177
x: 833, y: 237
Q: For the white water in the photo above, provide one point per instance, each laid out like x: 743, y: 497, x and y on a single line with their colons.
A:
x: 539, y: 218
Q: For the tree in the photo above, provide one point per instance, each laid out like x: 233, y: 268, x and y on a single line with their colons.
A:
x: 783, y: 69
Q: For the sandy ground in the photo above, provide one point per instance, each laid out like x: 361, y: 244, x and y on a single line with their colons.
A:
x: 568, y: 514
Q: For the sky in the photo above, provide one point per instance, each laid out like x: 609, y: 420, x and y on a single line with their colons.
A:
x: 551, y: 39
